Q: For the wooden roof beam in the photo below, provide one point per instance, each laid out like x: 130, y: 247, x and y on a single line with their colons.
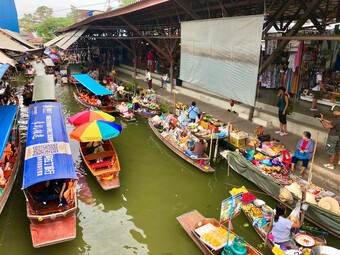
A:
x: 167, y: 56
x: 312, y: 18
x: 187, y: 9
x: 291, y: 32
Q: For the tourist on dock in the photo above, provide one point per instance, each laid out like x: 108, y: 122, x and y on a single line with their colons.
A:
x: 318, y: 86
x: 282, y: 227
x: 164, y: 79
x: 283, y: 105
x: 148, y: 78
x: 333, y: 140
x: 193, y: 112
x: 305, y: 149
x: 150, y: 60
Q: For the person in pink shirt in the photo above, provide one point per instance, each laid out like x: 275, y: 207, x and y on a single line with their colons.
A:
x: 150, y: 60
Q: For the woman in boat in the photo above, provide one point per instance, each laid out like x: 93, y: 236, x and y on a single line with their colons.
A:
x: 305, y: 149
x: 124, y: 110
x: 198, y: 149
x: 282, y: 227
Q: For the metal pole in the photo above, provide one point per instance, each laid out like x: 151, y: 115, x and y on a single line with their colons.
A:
x: 311, y: 165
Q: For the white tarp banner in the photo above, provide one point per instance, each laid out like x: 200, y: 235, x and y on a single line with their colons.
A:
x: 222, y: 55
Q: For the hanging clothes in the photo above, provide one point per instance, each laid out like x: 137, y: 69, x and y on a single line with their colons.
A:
x: 299, y: 54
x: 291, y: 61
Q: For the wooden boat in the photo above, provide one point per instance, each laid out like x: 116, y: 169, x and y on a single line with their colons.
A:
x: 195, y: 162
x: 106, y: 172
x: 10, y: 175
x: 128, y: 119
x: 51, y: 220
x: 193, y: 220
x: 108, y: 109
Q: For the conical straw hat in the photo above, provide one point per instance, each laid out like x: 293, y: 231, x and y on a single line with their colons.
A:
x: 330, y: 204
x: 310, y: 198
x: 286, y: 196
x: 295, y: 189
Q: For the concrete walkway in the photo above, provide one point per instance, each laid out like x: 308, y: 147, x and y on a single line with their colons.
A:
x: 329, y: 179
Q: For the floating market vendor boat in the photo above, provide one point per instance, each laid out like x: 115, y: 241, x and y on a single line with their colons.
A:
x: 200, y: 163
x: 146, y: 107
x: 272, y: 183
x: 125, y: 112
x: 9, y: 132
x: 199, y: 228
x: 49, y: 180
x: 99, y: 156
x: 96, y: 89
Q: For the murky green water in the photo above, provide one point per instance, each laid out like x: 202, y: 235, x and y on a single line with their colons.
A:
x: 140, y: 216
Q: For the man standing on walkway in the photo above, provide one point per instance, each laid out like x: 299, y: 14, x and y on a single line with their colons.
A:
x: 148, y: 78
x: 193, y: 112
x: 333, y: 141
x: 150, y: 60
x: 317, y: 81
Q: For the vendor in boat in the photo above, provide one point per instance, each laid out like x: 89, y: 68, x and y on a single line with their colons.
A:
x: 282, y: 227
x: 193, y: 112
x: 94, y: 147
x: 305, y: 149
x: 198, y: 149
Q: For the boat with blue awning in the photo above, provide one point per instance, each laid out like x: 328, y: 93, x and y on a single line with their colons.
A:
x: 10, y: 150
x: 49, y: 177
x: 108, y: 103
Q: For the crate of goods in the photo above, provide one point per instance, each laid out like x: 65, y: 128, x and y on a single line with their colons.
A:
x: 237, y: 142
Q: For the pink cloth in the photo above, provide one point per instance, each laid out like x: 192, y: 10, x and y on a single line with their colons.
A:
x: 150, y: 56
x: 299, y: 54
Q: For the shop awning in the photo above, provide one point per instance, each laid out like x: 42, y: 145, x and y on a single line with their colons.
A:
x: 74, y: 38
x: 17, y: 37
x: 44, y: 88
x: 3, y: 69
x: 4, y: 59
x: 48, y: 62
x: 37, y: 51
x: 66, y: 38
x: 48, y: 153
x: 55, y: 40
x: 8, y: 44
x: 92, y: 85
x: 7, y: 116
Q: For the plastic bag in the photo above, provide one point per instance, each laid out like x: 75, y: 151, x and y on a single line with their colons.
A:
x: 295, y: 214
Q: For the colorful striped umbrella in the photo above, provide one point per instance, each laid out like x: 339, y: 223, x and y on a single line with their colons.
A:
x: 96, y: 131
x: 89, y: 115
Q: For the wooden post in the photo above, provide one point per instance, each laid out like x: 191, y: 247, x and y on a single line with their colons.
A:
x: 172, y: 74
x: 270, y: 227
x: 174, y: 104
x: 216, y: 149
x: 311, y: 165
x: 228, y: 163
x: 211, y: 141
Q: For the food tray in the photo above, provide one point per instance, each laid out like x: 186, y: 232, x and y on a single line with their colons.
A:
x: 204, y: 230
x: 305, y: 240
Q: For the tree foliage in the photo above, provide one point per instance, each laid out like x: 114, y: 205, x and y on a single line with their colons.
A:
x: 126, y: 2
x: 50, y: 25
x: 42, y: 13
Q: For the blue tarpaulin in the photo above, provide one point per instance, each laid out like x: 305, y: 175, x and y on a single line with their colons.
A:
x: 3, y: 69
x: 48, y: 154
x: 7, y: 116
x: 9, y: 15
x: 92, y: 85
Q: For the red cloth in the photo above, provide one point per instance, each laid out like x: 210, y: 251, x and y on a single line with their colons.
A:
x: 304, y: 144
x: 248, y: 197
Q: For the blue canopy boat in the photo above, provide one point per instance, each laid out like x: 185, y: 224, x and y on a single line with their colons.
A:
x: 108, y: 105
x: 9, y: 133
x: 49, y: 177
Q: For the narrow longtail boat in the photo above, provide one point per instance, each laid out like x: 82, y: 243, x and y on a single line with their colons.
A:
x: 49, y: 180
x: 193, y: 220
x: 9, y: 132
x: 106, y: 171
x: 96, y: 89
x: 196, y: 162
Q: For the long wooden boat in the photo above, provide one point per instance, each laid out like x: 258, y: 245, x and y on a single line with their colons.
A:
x: 109, y: 109
x: 195, y: 162
x: 106, y: 172
x: 192, y: 220
x: 321, y: 217
x: 10, y: 175
x: 51, y: 212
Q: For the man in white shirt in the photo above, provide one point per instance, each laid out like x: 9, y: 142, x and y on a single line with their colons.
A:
x: 164, y: 79
x: 148, y: 78
x: 317, y: 90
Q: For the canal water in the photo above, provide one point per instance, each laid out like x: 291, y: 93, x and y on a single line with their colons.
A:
x: 140, y: 216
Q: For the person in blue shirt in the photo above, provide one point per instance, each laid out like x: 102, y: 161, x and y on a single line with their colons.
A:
x: 282, y: 227
x: 193, y: 112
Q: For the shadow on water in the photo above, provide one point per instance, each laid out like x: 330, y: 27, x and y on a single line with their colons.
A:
x: 140, y: 216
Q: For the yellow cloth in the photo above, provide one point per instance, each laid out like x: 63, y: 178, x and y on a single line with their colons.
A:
x: 235, y: 191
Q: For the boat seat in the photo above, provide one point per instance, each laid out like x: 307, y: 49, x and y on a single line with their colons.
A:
x: 39, y: 195
x: 101, y: 164
x: 99, y: 155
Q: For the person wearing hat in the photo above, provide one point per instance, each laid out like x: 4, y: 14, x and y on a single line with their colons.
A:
x: 282, y: 227
x: 333, y: 140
